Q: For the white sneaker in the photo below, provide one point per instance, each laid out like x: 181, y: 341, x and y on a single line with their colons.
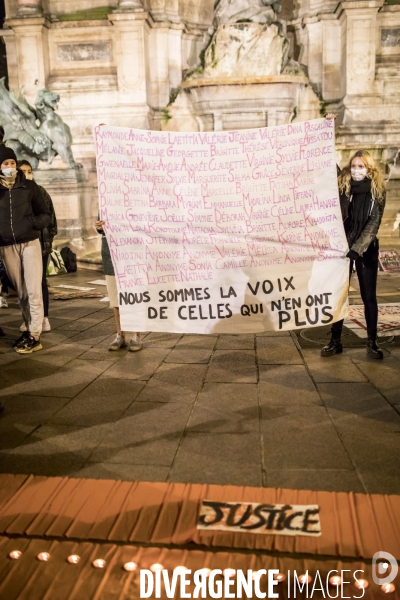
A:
x: 46, y: 324
x: 135, y: 343
x: 118, y: 343
x: 3, y: 302
x: 23, y: 327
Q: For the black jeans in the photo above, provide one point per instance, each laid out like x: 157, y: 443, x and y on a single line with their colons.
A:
x: 367, y: 272
x: 45, y: 289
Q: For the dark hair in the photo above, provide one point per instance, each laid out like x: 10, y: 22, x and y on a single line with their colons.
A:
x: 24, y: 162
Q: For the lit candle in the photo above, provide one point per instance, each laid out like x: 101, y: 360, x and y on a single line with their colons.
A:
x: 15, y: 554
x: 206, y: 572
x: 130, y: 566
x: 99, y: 563
x: 156, y: 567
x: 73, y: 559
x: 304, y: 579
x: 279, y: 577
x: 388, y: 588
x: 361, y: 584
x: 335, y: 580
x: 43, y: 556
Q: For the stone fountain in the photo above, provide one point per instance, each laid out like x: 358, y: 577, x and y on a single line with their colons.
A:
x: 245, y: 77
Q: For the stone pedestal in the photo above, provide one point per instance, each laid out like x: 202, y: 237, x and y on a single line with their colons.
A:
x: 75, y: 204
x: 227, y: 104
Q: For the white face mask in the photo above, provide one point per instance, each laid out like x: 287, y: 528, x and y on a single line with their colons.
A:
x: 29, y: 176
x: 359, y: 174
x: 9, y: 172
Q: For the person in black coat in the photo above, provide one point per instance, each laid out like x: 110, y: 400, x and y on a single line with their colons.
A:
x: 47, y: 236
x: 362, y: 200
x: 23, y: 214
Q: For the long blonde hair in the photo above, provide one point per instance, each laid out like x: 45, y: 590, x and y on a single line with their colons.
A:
x: 378, y: 187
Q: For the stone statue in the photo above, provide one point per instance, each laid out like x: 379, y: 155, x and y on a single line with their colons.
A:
x: 257, y: 11
x: 35, y: 133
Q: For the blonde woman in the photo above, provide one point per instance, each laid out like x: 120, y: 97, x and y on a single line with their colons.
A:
x: 362, y: 200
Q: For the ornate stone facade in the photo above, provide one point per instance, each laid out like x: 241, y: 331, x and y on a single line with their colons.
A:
x: 122, y: 62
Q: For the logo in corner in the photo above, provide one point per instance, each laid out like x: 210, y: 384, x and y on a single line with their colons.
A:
x: 384, y: 571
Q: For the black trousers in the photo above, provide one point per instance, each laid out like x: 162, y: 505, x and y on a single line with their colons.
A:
x: 367, y: 272
x: 45, y: 288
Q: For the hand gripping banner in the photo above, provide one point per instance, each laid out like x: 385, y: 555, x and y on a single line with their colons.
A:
x: 224, y: 232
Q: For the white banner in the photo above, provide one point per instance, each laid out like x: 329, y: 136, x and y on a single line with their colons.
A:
x: 227, y: 232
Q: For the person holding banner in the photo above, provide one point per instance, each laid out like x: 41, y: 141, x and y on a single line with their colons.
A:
x: 362, y: 200
x: 135, y: 342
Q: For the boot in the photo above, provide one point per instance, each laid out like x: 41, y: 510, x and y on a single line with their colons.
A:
x: 334, y: 347
x: 373, y: 350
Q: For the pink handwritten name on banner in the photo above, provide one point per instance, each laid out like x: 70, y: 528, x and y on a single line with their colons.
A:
x: 227, y: 232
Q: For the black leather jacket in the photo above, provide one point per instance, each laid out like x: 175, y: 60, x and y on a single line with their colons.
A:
x: 23, y: 212
x: 369, y: 233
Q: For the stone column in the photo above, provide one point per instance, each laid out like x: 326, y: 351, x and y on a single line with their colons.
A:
x: 130, y: 36
x: 32, y: 53
x: 314, y: 64
x: 164, y: 10
x: 360, y: 34
x: 175, y: 55
x: 332, y: 83
x: 158, y: 87
x: 29, y: 8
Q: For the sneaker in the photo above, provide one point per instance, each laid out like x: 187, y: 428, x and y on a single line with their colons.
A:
x: 23, y: 327
x: 22, y: 339
x: 3, y: 302
x: 31, y: 345
x: 334, y: 347
x: 46, y: 324
x: 118, y: 343
x: 135, y: 343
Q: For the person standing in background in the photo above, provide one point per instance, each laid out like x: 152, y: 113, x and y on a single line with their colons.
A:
x: 135, y: 342
x: 46, y: 240
x: 23, y: 214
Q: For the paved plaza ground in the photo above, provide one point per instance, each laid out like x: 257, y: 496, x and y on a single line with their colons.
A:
x: 247, y: 410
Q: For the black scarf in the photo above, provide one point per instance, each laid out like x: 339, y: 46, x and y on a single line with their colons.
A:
x: 359, y: 208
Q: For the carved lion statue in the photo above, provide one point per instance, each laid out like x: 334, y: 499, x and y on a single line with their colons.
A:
x: 29, y: 139
x: 53, y: 127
